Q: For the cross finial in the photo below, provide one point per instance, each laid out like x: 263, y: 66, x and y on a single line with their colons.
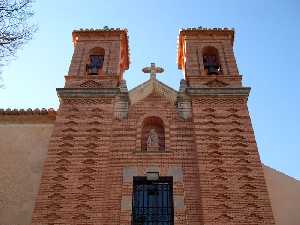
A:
x: 153, y: 70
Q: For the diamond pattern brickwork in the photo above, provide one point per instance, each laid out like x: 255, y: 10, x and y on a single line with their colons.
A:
x: 230, y: 174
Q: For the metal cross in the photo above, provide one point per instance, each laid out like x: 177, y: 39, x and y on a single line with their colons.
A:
x: 153, y: 70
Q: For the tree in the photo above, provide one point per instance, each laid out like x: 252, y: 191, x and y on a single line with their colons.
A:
x: 15, y: 27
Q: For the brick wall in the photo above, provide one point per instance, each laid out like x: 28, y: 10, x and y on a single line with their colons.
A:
x: 232, y: 183
x: 209, y: 150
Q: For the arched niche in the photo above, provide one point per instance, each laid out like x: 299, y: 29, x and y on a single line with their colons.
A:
x: 153, y: 134
x: 95, y: 61
x: 211, y: 60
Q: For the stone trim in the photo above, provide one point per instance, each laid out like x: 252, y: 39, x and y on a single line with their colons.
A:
x: 178, y: 202
x: 244, y: 91
x: 176, y: 173
x: 152, y: 86
x: 152, y: 169
x: 129, y: 172
x: 152, y: 153
x: 126, y: 203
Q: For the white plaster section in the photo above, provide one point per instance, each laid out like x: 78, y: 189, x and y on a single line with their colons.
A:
x: 176, y: 173
x: 126, y: 203
x: 178, y: 202
x: 128, y: 173
x: 23, y: 149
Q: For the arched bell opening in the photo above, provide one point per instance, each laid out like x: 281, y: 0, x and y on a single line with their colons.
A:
x: 153, y: 134
x: 95, y: 61
x: 211, y: 61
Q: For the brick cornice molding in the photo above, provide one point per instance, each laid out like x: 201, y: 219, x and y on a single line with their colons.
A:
x: 88, y: 92
x: 244, y: 91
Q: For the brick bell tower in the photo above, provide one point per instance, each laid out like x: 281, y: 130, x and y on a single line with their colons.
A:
x: 231, y: 179
x: 73, y: 189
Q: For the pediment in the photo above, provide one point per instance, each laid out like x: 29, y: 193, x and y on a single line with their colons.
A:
x: 152, y: 86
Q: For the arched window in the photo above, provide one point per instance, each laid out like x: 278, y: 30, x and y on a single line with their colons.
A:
x: 153, y: 134
x: 211, y: 60
x: 95, y: 61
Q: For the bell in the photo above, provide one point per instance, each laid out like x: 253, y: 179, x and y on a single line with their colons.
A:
x: 94, y: 70
x: 96, y: 63
x: 212, y: 69
x: 211, y: 64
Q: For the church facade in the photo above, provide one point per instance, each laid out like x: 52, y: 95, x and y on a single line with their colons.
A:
x: 153, y: 155
x: 149, y: 156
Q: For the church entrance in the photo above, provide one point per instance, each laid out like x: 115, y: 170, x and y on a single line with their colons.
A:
x: 152, y: 201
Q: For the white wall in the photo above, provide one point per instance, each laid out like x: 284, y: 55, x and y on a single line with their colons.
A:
x: 284, y: 192
x: 23, y: 148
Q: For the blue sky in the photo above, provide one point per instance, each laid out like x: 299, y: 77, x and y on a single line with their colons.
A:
x: 267, y: 49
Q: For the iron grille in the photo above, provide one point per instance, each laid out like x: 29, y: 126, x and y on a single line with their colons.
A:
x: 152, y: 201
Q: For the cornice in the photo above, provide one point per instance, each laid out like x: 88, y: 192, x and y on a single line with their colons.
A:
x: 243, y: 91
x: 87, y: 92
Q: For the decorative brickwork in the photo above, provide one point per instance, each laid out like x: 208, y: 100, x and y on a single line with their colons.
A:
x: 232, y: 184
x: 231, y: 174
x: 78, y: 155
x: 206, y: 140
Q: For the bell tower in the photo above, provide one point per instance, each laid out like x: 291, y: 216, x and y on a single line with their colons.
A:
x: 231, y: 179
x: 206, y: 55
x: 73, y: 187
x: 100, y: 57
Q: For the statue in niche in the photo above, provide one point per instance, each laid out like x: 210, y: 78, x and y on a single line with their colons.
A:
x: 153, y: 141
